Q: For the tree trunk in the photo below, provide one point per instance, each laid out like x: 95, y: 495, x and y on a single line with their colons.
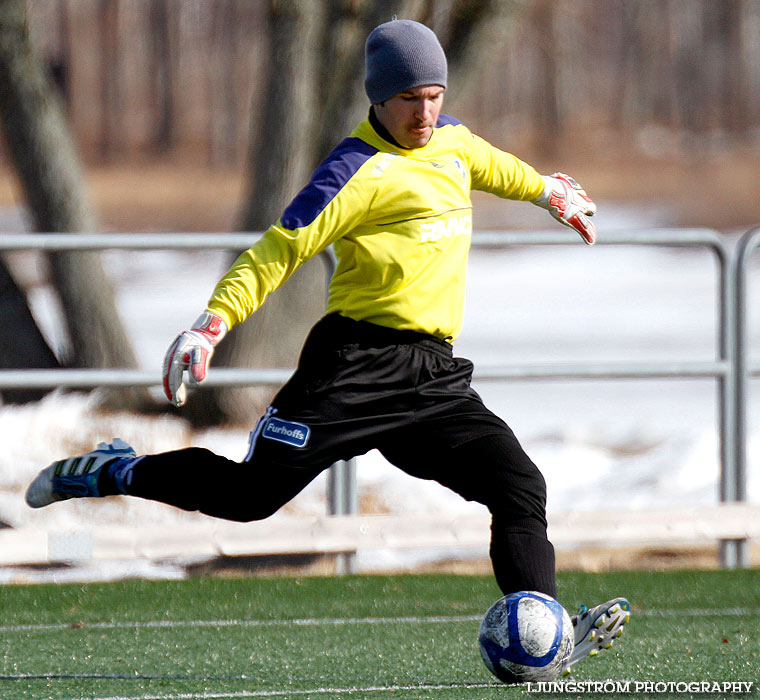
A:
x: 222, y: 115
x: 23, y: 345
x: 110, y: 91
x: 43, y: 154
x: 546, y: 109
x: 342, y: 100
x: 162, y: 75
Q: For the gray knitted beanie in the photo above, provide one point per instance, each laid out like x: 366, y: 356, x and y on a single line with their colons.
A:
x: 400, y: 55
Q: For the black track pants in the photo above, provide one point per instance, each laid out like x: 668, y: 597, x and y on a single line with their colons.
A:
x: 360, y: 387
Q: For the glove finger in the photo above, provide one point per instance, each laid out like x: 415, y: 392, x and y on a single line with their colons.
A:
x: 174, y: 386
x: 582, y: 224
x: 199, y: 364
x: 174, y: 366
x: 180, y: 396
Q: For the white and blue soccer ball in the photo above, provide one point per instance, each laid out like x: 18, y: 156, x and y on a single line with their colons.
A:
x: 526, y: 636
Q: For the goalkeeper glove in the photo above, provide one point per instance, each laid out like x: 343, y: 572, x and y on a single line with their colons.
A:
x: 569, y: 204
x: 191, y: 350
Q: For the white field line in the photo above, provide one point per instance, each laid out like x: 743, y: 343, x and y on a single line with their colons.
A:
x: 339, y: 621
x: 295, y: 693
x: 304, y: 622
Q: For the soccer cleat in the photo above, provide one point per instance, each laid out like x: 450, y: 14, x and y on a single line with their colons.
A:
x: 75, y: 477
x: 598, y: 628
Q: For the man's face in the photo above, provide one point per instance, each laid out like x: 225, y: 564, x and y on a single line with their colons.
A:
x: 410, y: 116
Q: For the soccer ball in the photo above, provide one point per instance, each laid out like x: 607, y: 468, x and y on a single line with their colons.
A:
x: 526, y: 636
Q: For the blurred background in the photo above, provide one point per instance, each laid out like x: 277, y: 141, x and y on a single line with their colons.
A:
x: 655, y: 101
x: 209, y: 115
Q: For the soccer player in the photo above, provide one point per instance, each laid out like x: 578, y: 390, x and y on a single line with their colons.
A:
x: 378, y: 371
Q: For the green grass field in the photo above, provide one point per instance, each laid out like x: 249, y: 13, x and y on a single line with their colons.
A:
x: 397, y: 637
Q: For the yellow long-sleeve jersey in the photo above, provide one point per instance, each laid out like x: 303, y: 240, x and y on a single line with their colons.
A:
x: 400, y: 222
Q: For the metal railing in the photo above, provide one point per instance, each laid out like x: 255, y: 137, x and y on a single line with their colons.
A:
x: 733, y: 553
x: 342, y: 494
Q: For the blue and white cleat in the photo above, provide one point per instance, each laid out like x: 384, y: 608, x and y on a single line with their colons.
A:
x: 598, y: 628
x: 75, y: 477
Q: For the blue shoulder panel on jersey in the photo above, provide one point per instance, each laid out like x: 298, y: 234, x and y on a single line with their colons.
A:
x: 446, y: 120
x: 328, y: 179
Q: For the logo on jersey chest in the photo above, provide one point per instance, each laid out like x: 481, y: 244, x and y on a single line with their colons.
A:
x: 458, y: 166
x: 432, y: 231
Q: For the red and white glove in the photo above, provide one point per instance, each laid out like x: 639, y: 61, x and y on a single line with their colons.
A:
x: 192, y: 351
x: 569, y: 204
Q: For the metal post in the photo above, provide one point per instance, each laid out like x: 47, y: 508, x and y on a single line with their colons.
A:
x: 342, y: 488
x: 738, y: 555
x: 342, y: 494
x: 729, y: 551
x: 343, y: 500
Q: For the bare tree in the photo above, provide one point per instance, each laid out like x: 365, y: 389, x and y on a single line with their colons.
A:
x: 43, y: 154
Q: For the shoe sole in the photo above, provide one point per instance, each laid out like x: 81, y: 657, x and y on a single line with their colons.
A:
x: 608, y: 627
